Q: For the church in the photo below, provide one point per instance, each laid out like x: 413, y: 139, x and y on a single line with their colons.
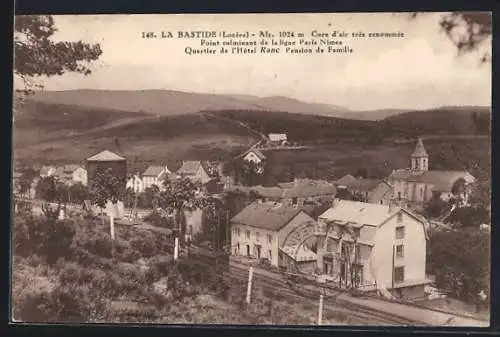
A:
x: 417, y: 184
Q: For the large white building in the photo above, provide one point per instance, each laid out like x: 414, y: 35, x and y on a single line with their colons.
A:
x: 383, y: 245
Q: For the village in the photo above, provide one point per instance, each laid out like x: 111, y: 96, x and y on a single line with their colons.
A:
x: 285, y: 188
x: 351, y: 233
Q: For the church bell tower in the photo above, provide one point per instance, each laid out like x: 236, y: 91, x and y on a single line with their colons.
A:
x: 419, y: 160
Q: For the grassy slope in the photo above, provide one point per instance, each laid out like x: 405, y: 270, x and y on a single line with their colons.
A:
x: 347, y: 144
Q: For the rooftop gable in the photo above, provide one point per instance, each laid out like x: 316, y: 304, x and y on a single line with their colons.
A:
x: 270, y: 216
x: 153, y: 171
x: 106, y: 156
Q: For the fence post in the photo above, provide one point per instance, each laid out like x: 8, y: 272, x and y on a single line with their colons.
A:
x: 112, y: 227
x: 249, y: 285
x: 176, y: 249
x: 320, y: 310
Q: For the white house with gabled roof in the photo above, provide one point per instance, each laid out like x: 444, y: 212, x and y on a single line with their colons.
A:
x: 384, y: 246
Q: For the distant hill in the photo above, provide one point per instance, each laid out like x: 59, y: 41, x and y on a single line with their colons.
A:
x: 467, y: 120
x: 170, y: 102
x: 69, y: 132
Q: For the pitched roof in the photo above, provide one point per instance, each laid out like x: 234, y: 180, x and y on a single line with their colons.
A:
x: 106, y: 156
x: 307, y: 189
x: 403, y: 174
x: 443, y: 181
x: 211, y: 168
x: 276, y: 137
x: 270, y: 216
x: 258, y: 153
x: 419, y: 149
x: 266, y: 192
x: 382, y: 190
x: 189, y: 167
x: 361, y: 213
x: 153, y: 171
x: 66, y: 170
x: 345, y: 180
x: 366, y: 185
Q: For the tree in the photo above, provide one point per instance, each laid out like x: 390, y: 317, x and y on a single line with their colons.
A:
x: 435, y: 207
x: 460, y: 261
x: 468, y: 31
x: 130, y: 197
x: 179, y: 196
x: 248, y: 173
x: 105, y: 187
x: 36, y: 55
x: 361, y: 172
x: 78, y: 193
x: 26, y: 180
x: 46, y: 189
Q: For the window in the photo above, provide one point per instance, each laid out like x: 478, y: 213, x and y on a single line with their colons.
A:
x: 238, y: 247
x: 399, y: 274
x: 248, y: 234
x: 270, y: 255
x: 400, y: 232
x: 269, y: 238
x: 257, y: 236
x: 294, y: 201
x: 238, y: 231
x: 399, y: 196
x: 400, y: 218
x: 399, y: 251
x: 421, y: 191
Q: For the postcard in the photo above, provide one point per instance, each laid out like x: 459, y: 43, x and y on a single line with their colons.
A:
x: 325, y: 169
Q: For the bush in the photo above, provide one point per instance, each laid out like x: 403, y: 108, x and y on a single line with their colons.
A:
x: 461, y: 262
x: 48, y: 238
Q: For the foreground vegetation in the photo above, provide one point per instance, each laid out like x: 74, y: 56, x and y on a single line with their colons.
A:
x: 72, y: 271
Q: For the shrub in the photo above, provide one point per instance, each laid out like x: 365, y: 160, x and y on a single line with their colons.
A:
x: 47, y: 237
x: 35, y: 307
x: 461, y: 262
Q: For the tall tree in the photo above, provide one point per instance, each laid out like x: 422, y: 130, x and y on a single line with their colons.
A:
x: 179, y: 196
x: 105, y: 187
x: 36, y: 54
x: 26, y: 180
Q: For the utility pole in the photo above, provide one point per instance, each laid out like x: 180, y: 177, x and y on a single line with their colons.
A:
x: 320, y: 310
x: 393, y: 249
x: 249, y: 285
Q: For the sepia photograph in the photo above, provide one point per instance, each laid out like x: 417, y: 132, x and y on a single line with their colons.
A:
x: 327, y: 169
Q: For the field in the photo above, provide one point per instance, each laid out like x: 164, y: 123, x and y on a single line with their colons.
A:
x: 333, y: 161
x: 456, y: 138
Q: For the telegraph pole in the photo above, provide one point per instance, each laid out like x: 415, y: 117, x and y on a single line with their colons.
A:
x: 320, y: 310
x: 249, y: 285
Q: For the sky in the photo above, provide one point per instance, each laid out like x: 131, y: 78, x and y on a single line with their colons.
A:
x: 418, y: 71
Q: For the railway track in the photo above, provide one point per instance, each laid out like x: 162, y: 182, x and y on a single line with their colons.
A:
x: 333, y: 303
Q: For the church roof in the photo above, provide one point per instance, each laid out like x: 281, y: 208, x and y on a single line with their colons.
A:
x: 442, y: 181
x: 419, y: 149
